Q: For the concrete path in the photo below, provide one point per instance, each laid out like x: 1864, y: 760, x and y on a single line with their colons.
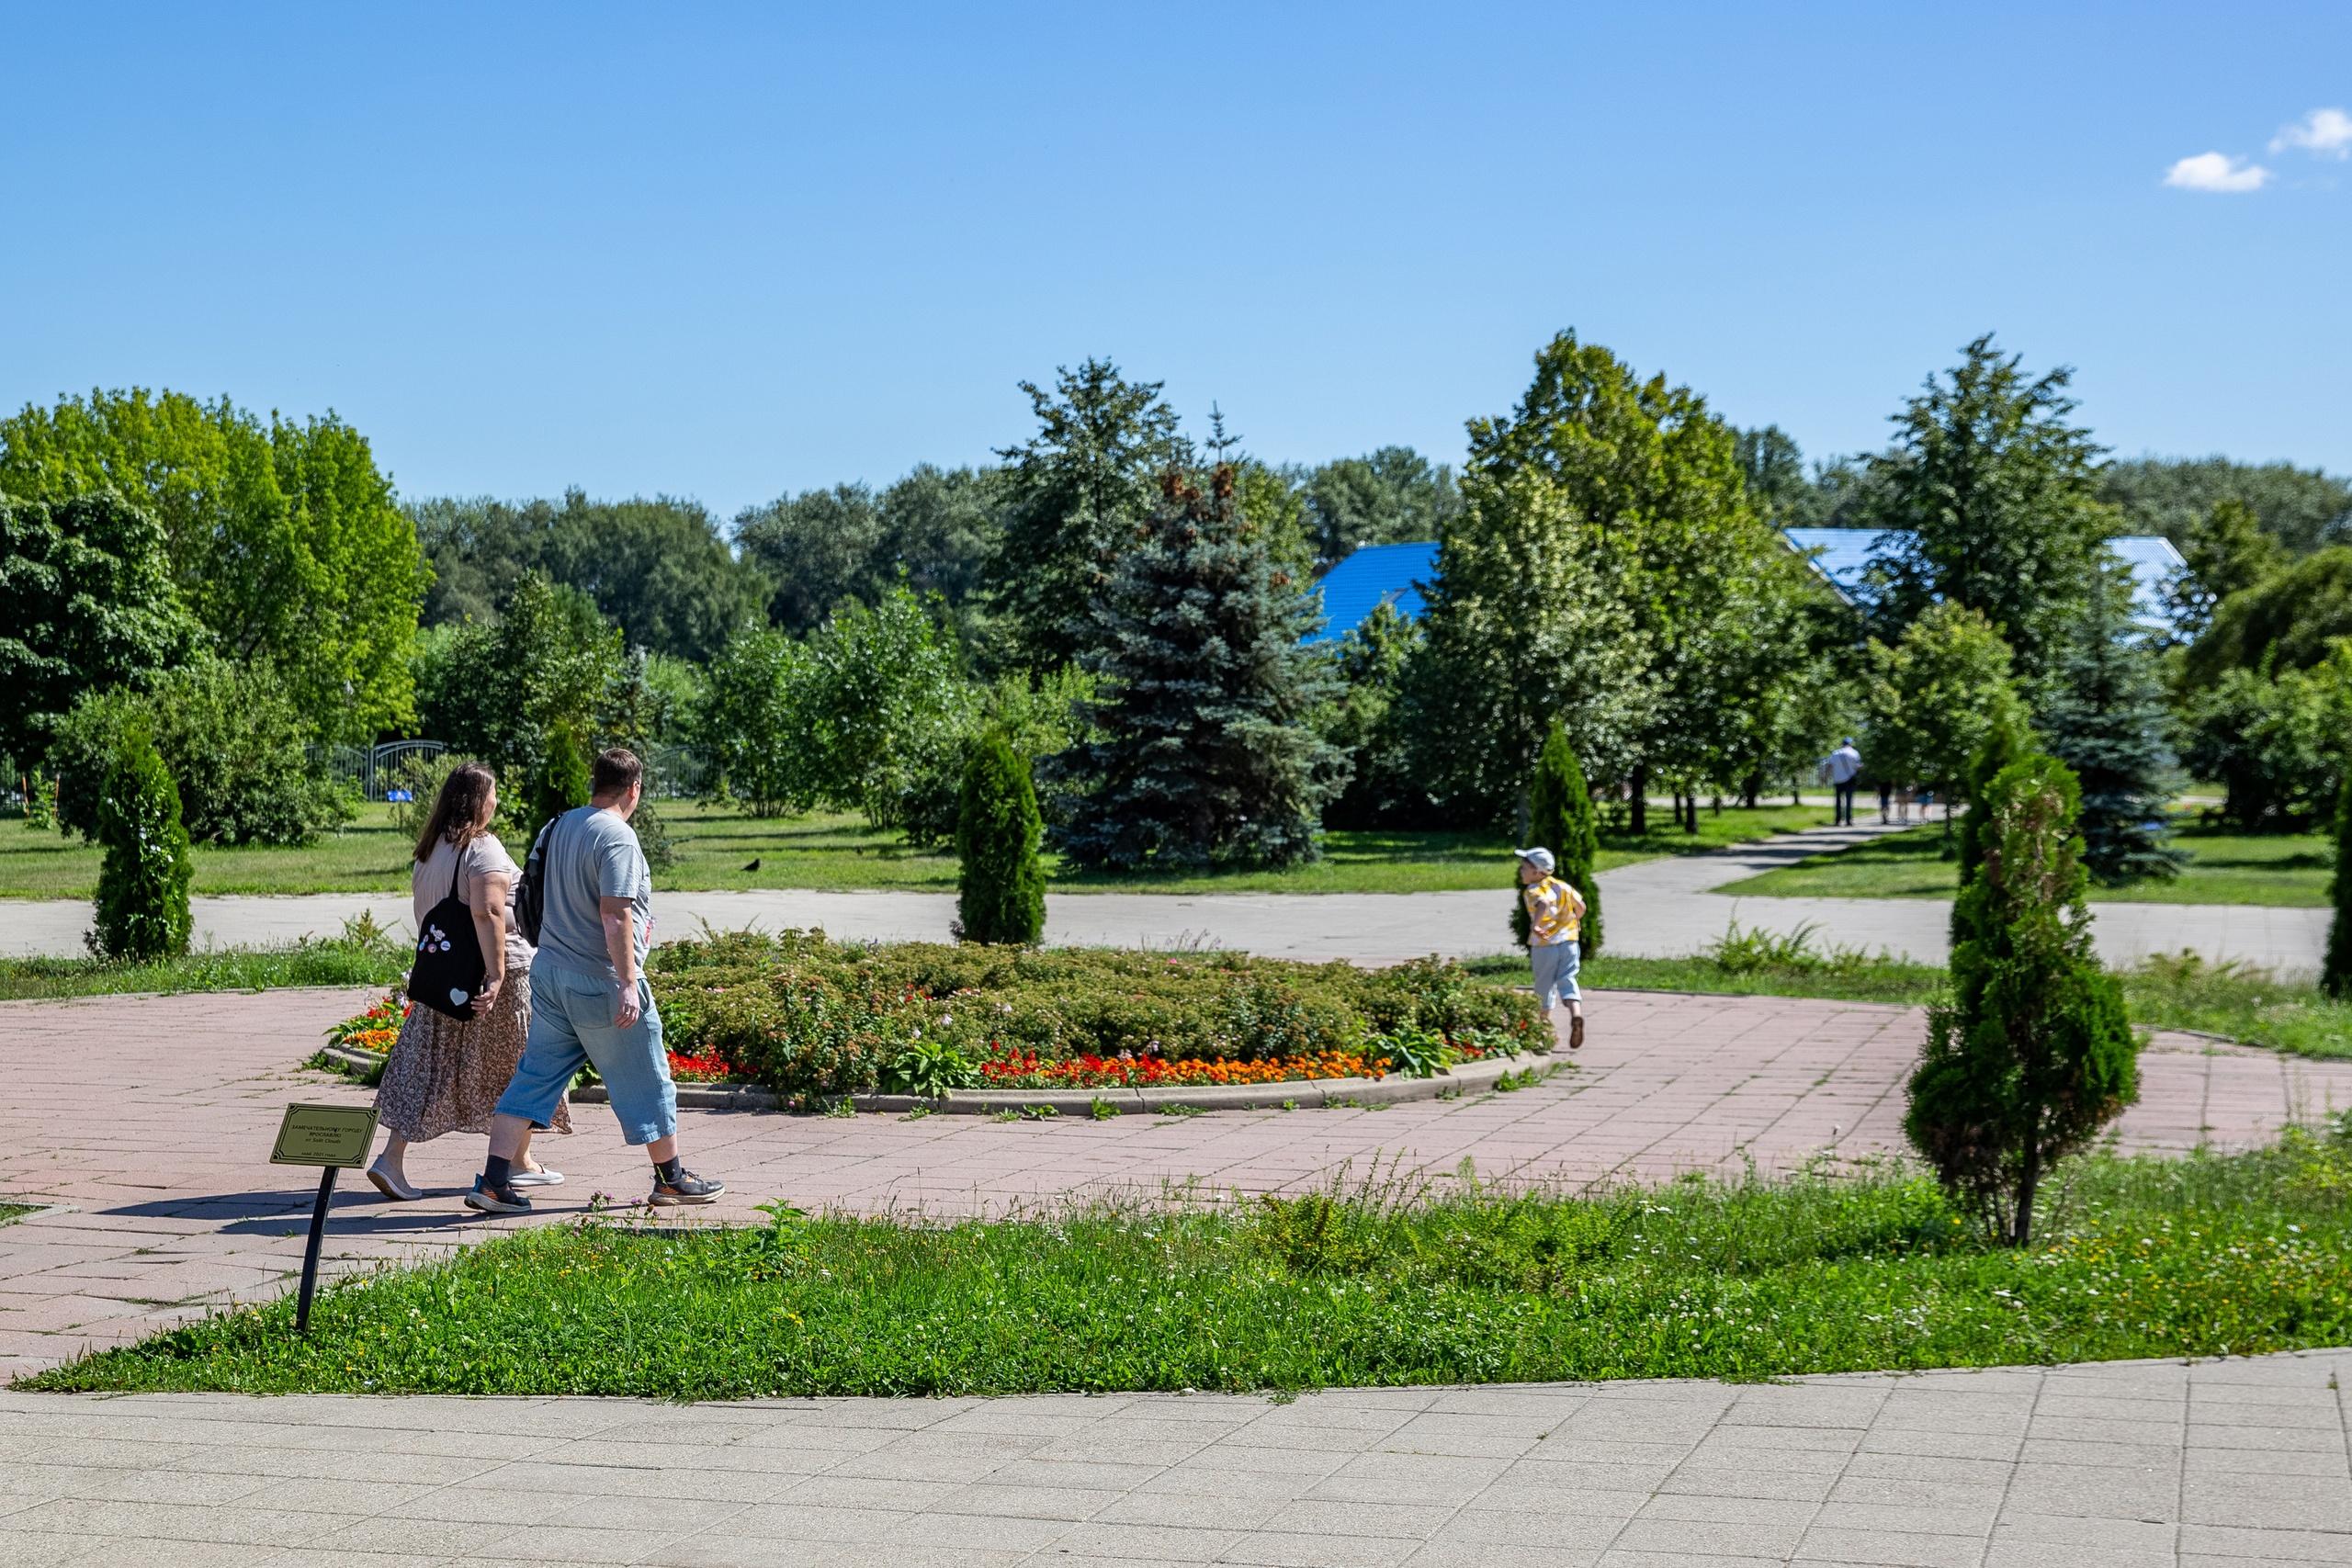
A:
x: 2132, y: 1464
x: 1656, y: 909
x: 148, y: 1121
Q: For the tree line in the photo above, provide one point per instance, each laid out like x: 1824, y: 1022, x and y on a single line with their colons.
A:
x: 1123, y: 605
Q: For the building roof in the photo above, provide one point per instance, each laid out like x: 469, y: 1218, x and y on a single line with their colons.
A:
x: 1373, y: 575
x: 1843, y: 557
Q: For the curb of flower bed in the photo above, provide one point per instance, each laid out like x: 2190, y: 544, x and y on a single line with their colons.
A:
x: 1300, y: 1092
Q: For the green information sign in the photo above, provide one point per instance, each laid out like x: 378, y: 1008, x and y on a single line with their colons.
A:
x: 325, y: 1134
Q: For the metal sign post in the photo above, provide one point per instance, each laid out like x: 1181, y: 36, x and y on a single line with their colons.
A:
x: 331, y: 1136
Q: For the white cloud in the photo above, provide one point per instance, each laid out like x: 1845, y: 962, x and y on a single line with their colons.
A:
x: 2217, y: 172
x: 2326, y: 132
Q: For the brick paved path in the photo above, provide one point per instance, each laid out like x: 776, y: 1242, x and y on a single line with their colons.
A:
x: 2131, y: 1464
x: 149, y: 1120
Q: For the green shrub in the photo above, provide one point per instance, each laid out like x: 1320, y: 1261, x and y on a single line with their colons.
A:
x: 814, y: 1019
x: 232, y: 741
x: 2033, y: 1054
x: 1001, y: 882
x: 143, y: 911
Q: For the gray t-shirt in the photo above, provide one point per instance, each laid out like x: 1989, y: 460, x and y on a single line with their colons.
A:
x: 593, y: 855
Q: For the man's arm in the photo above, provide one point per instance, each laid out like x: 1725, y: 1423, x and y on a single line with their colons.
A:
x: 620, y: 946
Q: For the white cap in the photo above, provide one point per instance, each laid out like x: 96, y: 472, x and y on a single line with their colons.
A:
x: 1540, y: 859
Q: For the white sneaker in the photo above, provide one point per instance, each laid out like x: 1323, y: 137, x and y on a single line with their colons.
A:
x: 542, y: 1177
x: 394, y: 1184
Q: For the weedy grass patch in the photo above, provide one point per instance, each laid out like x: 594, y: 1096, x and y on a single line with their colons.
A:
x: 2209, y: 1254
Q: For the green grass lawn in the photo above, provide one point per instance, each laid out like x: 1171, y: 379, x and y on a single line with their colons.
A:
x: 2224, y: 867
x: 839, y: 851
x: 2209, y: 1255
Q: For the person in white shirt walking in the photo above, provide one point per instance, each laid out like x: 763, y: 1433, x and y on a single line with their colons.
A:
x: 1845, y: 765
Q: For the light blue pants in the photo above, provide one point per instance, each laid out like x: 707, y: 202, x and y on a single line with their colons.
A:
x: 1555, y: 974
x: 571, y: 1023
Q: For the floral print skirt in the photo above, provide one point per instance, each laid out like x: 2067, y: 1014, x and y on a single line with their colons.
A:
x: 444, y: 1075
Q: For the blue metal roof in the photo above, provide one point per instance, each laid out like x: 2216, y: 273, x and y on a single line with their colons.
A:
x: 1376, y: 575
x: 1843, y: 555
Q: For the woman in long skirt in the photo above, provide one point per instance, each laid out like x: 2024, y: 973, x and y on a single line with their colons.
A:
x: 446, y: 1074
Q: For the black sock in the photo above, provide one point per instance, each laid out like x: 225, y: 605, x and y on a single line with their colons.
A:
x: 669, y: 1169
x: 497, y: 1173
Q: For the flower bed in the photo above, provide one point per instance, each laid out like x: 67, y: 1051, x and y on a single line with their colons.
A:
x: 374, y: 1032
x: 811, y: 1019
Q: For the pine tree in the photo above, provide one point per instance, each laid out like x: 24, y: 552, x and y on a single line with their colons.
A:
x: 2033, y: 1054
x: 2105, y: 718
x: 1001, y: 883
x: 1560, y: 817
x: 142, y: 910
x: 1202, y: 751
x: 2336, y: 974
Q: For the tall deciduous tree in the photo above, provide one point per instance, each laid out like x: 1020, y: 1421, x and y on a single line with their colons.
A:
x: 1385, y: 497
x: 1654, y: 481
x: 2033, y: 1054
x: 1202, y: 752
x: 86, y: 605
x: 1074, y: 491
x: 1526, y: 625
x: 1933, y: 697
x: 2223, y: 553
x: 501, y: 690
x: 2286, y: 621
x: 1995, y: 492
x: 284, y: 538
x: 2105, y: 718
x: 2301, y: 508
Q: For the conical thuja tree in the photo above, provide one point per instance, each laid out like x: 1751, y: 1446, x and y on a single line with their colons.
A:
x: 2335, y: 973
x: 1001, y: 883
x: 2032, y: 1054
x: 142, y: 910
x: 559, y: 781
x: 1561, y: 819
x: 2005, y: 743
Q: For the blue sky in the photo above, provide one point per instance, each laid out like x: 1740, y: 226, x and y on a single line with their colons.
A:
x: 726, y: 252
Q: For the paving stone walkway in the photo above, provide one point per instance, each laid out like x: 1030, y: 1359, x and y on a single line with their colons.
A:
x: 145, y: 1122
x: 2222, y: 1464
x: 1660, y: 908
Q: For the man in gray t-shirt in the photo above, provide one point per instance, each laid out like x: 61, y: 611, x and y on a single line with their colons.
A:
x: 590, y: 1001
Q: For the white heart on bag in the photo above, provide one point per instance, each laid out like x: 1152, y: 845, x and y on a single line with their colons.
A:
x: 457, y: 997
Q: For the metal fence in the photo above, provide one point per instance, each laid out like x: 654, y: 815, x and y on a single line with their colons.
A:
x: 371, y: 770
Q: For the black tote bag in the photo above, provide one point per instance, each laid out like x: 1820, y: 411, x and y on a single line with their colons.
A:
x: 449, y: 965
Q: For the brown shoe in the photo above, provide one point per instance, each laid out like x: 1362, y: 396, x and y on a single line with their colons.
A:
x: 1576, y: 1032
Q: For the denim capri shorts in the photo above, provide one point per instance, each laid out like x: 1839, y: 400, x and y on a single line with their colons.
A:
x: 1555, y: 974
x: 571, y: 1023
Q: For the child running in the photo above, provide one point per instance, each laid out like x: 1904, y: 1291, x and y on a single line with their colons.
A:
x: 1555, y: 917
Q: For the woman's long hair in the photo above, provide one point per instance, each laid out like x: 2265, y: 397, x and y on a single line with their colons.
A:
x: 457, y: 815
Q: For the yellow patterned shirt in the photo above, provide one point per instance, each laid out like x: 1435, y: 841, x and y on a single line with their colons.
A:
x: 1554, y: 912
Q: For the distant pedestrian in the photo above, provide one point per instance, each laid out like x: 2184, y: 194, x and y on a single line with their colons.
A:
x: 1885, y: 802
x: 590, y: 1002
x: 1554, y: 920
x: 1844, y: 766
x: 445, y: 1074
